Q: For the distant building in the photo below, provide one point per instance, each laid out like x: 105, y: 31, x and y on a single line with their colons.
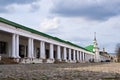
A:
x: 105, y: 56
x: 113, y: 57
x: 99, y: 55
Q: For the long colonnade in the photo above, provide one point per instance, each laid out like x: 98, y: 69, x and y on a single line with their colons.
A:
x: 51, y: 49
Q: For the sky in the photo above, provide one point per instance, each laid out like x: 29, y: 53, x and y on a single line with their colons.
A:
x: 70, y: 20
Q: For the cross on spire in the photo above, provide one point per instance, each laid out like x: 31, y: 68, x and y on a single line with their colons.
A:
x: 94, y: 35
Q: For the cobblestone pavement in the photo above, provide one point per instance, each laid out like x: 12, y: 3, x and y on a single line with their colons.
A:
x: 62, y: 71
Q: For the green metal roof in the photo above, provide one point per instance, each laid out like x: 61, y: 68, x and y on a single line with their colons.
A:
x: 90, y: 48
x: 39, y: 33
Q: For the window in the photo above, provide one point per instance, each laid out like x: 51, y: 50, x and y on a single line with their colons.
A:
x: 3, y: 46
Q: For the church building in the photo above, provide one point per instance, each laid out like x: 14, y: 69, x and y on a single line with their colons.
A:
x: 25, y: 45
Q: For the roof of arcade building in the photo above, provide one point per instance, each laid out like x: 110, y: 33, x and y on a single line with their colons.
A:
x: 88, y: 48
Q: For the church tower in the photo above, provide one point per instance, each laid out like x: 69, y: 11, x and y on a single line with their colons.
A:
x: 96, y: 49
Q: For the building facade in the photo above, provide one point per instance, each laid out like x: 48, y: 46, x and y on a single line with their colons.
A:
x: 105, y: 56
x: 26, y: 45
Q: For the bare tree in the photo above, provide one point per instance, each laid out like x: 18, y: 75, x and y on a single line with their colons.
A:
x: 118, y: 52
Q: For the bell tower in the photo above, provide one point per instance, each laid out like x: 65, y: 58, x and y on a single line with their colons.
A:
x: 96, y: 49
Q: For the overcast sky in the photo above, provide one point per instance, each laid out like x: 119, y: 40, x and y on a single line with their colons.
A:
x: 71, y: 20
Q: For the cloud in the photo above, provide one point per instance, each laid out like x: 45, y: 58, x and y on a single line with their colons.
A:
x: 49, y: 24
x: 3, y: 9
x: 35, y: 6
x: 5, y: 4
x: 9, y: 2
x: 81, y: 32
x: 71, y: 22
x: 88, y: 9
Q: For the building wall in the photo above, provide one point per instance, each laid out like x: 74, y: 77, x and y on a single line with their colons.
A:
x: 25, y: 35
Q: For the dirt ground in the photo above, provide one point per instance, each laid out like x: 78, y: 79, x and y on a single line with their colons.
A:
x: 62, y: 71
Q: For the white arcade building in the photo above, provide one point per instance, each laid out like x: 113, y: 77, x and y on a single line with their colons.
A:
x: 26, y: 45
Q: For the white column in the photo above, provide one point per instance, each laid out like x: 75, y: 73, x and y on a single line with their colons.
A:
x: 17, y: 46
x: 89, y: 57
x: 80, y: 56
x: 32, y: 48
x: 69, y: 55
x: 77, y: 55
x: 51, y: 51
x: 74, y: 57
x: 83, y: 56
x: 25, y: 52
x: 58, y: 53
x: 64, y: 53
x: 35, y: 52
x: 86, y: 57
x: 42, y: 50
x: 13, y: 46
x: 29, y: 48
